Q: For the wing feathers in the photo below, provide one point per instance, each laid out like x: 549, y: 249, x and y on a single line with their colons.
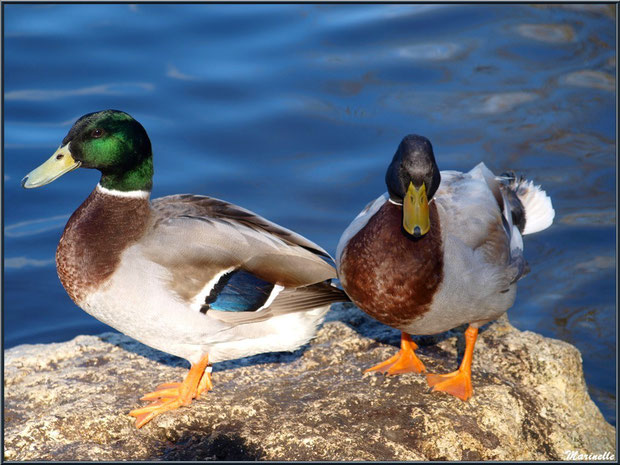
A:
x: 209, y: 208
x: 238, y: 291
x: 288, y: 300
x: 216, y: 236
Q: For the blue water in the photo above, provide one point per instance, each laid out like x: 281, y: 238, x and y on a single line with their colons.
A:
x: 294, y: 111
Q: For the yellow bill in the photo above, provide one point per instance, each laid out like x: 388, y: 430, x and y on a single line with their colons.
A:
x: 416, y: 220
x: 58, y: 164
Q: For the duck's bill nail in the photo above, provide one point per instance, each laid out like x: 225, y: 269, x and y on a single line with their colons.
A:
x: 58, y: 164
x: 416, y: 220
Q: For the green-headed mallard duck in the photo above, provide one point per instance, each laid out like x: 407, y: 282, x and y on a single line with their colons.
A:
x: 439, y: 250
x: 190, y: 275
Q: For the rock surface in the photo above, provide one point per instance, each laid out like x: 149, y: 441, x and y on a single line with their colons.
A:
x: 69, y: 401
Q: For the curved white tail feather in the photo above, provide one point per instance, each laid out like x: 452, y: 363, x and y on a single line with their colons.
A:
x: 539, y: 212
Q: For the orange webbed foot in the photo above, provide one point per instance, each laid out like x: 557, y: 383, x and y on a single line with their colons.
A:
x: 145, y: 414
x: 170, y: 396
x: 163, y: 391
x: 457, y: 383
x: 405, y: 361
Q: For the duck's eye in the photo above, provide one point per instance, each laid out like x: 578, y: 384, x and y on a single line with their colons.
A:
x: 97, y: 133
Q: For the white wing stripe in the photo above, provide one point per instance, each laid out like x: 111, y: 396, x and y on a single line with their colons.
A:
x: 274, y: 293
x: 199, y: 299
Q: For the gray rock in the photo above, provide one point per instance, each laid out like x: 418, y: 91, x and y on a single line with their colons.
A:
x: 69, y: 401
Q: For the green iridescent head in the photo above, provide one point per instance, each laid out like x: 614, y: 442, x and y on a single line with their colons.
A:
x: 110, y: 141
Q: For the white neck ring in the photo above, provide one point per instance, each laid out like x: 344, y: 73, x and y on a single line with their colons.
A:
x: 126, y: 194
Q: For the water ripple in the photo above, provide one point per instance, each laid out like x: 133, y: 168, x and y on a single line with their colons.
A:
x: 174, y: 73
x: 591, y: 78
x: 25, y: 262
x: 33, y: 227
x: 502, y: 102
x: 430, y: 51
x: 552, y: 33
x: 587, y: 218
x: 596, y: 264
x: 123, y: 88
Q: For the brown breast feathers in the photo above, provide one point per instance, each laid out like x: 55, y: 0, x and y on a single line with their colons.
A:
x: 94, y: 238
x: 387, y: 273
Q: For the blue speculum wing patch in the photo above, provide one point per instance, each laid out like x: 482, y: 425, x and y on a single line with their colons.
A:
x: 238, y: 291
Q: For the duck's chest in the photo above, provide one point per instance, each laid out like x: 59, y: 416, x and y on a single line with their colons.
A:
x: 94, y: 238
x: 390, y: 275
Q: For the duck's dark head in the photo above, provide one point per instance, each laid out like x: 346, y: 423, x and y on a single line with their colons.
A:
x: 412, y: 179
x: 110, y: 141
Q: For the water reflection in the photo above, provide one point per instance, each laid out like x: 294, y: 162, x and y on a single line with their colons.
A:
x: 174, y: 73
x: 590, y: 78
x: 34, y: 227
x: 607, y: 10
x: 25, y: 262
x: 552, y: 33
x: 590, y: 218
x: 103, y: 89
x: 431, y: 51
x: 596, y: 264
x: 500, y: 103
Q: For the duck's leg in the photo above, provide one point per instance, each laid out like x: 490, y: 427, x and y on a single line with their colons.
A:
x: 458, y: 383
x: 170, y: 396
x: 405, y: 361
x: 205, y: 382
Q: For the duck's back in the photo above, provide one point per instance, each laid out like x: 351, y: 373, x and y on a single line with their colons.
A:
x: 480, y: 269
x: 214, y: 234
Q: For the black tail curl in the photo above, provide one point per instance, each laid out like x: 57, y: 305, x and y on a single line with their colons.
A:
x: 510, y: 186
